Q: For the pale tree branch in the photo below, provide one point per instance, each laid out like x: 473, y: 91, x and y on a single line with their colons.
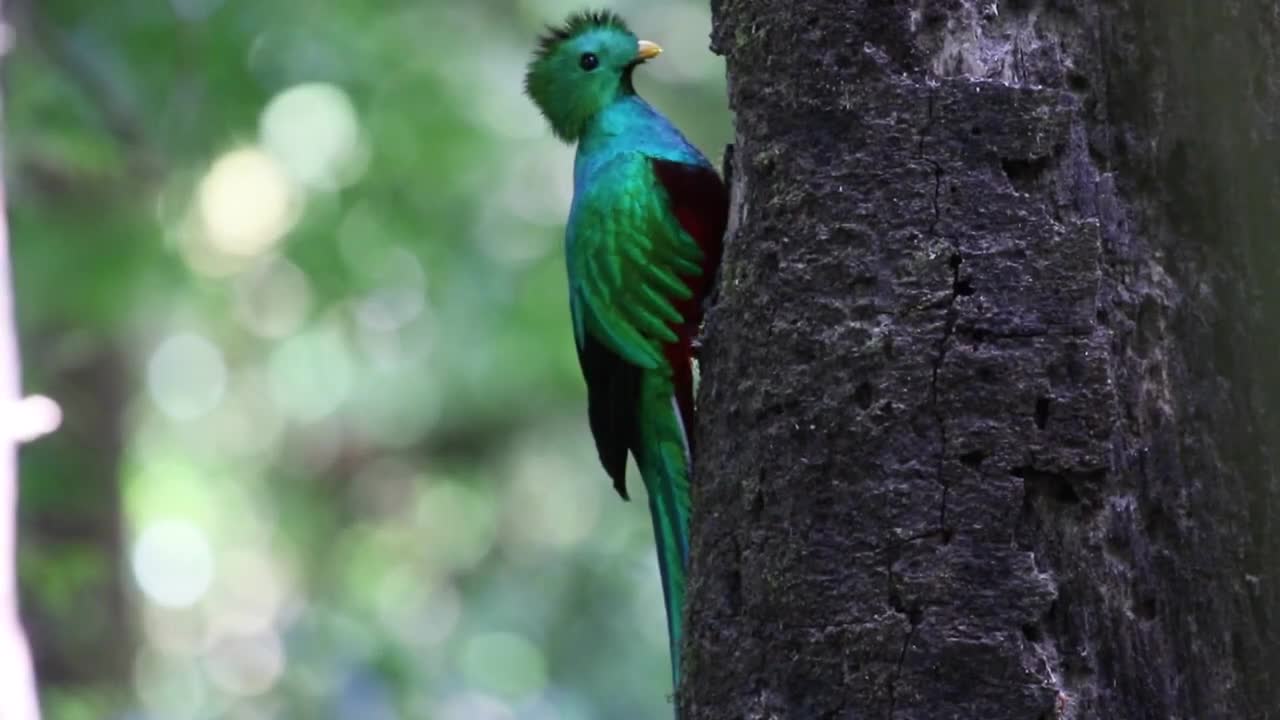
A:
x: 20, y: 420
x: 17, y: 681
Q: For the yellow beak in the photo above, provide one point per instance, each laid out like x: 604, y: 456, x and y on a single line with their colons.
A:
x: 648, y: 51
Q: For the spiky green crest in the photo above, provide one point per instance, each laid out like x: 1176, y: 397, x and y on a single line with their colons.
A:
x: 565, y: 88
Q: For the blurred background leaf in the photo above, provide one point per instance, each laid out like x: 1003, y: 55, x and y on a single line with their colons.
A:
x: 293, y: 269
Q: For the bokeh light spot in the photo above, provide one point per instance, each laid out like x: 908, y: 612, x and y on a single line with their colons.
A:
x: 174, y: 691
x: 249, y: 595
x: 246, y: 424
x: 314, y: 131
x: 186, y: 376
x: 423, y: 620
x: 272, y: 300
x: 399, y: 296
x: 311, y: 374
x: 505, y: 664
x: 395, y: 410
x: 180, y: 632
x: 549, y: 505
x: 246, y: 202
x: 172, y: 563
x: 474, y: 706
x: 459, y: 524
x: 246, y: 664
x: 194, y: 10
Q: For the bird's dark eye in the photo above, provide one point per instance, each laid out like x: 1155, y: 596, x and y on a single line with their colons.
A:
x: 589, y: 61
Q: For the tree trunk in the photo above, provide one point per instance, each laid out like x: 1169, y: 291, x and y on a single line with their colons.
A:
x: 988, y: 400
x: 73, y: 543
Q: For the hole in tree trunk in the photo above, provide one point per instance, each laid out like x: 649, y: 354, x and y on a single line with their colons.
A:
x: 1042, y: 412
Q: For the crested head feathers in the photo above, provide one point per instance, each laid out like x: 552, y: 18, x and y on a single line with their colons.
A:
x: 581, y: 66
x: 575, y: 25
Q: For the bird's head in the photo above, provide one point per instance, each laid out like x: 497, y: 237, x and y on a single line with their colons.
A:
x: 581, y: 67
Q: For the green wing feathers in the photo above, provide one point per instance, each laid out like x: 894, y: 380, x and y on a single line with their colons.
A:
x: 665, y: 467
x: 626, y: 254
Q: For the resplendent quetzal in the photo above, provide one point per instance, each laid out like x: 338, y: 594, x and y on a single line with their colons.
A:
x: 642, y: 245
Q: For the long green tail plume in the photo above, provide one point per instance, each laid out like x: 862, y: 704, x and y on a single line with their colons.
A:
x: 664, y: 465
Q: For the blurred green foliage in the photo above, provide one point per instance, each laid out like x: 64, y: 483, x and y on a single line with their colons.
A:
x: 293, y: 268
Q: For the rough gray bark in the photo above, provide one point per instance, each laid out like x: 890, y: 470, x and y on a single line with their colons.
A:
x: 988, y: 403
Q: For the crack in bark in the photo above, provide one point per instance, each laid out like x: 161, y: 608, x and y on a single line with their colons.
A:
x: 926, y: 535
x: 897, y: 670
x: 914, y: 615
x: 928, y: 125
x: 950, y: 320
x: 948, y: 331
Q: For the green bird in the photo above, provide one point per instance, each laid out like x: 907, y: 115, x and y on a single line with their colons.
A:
x: 642, y: 246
